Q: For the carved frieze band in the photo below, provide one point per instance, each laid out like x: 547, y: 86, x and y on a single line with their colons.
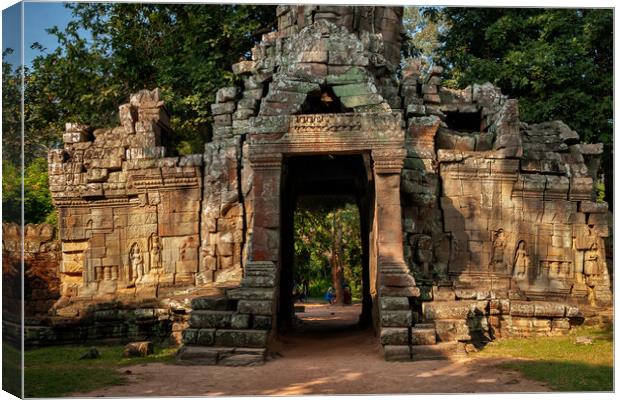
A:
x: 376, y: 122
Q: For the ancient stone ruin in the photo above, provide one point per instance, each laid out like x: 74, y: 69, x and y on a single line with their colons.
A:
x: 476, y: 225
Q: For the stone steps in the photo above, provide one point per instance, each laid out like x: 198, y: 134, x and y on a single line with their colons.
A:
x: 439, y: 351
x: 230, y: 356
x: 231, y: 327
x: 218, y: 319
x: 423, y: 335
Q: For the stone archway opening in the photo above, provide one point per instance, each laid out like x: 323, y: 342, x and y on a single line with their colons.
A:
x: 281, y: 144
x: 323, y: 185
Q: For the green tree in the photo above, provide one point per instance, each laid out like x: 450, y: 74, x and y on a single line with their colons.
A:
x: 11, y: 141
x: 557, y: 62
x: 328, y: 246
x: 11, y: 192
x: 423, y: 31
x: 11, y: 111
x: 37, y: 197
x: 185, y: 49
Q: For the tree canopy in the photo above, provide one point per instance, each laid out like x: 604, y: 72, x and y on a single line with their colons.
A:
x: 184, y: 49
x: 557, y: 62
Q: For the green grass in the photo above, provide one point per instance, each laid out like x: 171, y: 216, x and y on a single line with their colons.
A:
x: 559, y: 362
x: 11, y: 369
x: 56, y: 371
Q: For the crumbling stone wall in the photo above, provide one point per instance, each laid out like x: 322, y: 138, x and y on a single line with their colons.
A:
x: 512, y: 215
x: 50, y: 321
x: 129, y: 215
x: 500, y: 231
x: 41, y: 260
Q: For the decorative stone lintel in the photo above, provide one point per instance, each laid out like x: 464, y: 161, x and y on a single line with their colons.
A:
x: 266, y: 161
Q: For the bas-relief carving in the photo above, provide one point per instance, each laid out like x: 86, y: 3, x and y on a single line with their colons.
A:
x: 423, y: 254
x: 498, y: 253
x: 591, y: 265
x: 136, y: 263
x: 155, y: 251
x: 521, y: 262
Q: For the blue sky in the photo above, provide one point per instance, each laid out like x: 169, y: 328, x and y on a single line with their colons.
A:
x: 38, y: 16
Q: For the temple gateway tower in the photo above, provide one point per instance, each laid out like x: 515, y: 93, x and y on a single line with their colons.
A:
x: 475, y: 224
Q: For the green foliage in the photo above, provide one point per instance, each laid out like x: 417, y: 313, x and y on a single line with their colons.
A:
x: 423, y: 31
x: 600, y: 192
x: 11, y: 192
x: 560, y: 362
x: 313, y: 243
x: 185, y: 49
x: 557, y: 62
x: 37, y: 198
x: 11, y: 111
x: 56, y: 371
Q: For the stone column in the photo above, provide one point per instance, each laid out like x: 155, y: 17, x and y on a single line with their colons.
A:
x: 258, y: 295
x: 395, y: 282
x: 265, y: 245
x: 393, y: 271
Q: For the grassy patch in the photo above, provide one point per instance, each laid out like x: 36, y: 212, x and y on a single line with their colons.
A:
x: 58, y: 370
x: 11, y: 369
x: 558, y: 361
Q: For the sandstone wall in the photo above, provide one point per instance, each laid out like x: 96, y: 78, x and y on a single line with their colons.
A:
x: 129, y: 215
x: 494, y: 210
x: 41, y: 261
x: 503, y: 209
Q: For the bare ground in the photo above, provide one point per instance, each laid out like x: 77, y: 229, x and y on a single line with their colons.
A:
x: 327, y: 354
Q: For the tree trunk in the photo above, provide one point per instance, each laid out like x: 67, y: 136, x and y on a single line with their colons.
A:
x: 336, y: 260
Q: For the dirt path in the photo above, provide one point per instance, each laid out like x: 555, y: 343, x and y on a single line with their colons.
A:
x: 326, y: 355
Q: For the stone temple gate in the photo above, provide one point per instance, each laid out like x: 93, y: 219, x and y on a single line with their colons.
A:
x: 379, y: 138
x: 478, y: 225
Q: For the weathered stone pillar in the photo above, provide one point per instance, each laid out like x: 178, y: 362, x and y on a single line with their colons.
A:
x: 261, y: 277
x: 393, y: 271
x: 394, y: 281
x: 265, y: 245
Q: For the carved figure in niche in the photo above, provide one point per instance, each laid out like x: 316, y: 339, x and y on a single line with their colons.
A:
x: 136, y: 262
x: 590, y: 264
x: 522, y: 261
x: 155, y: 251
x: 424, y: 252
x: 499, y: 245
